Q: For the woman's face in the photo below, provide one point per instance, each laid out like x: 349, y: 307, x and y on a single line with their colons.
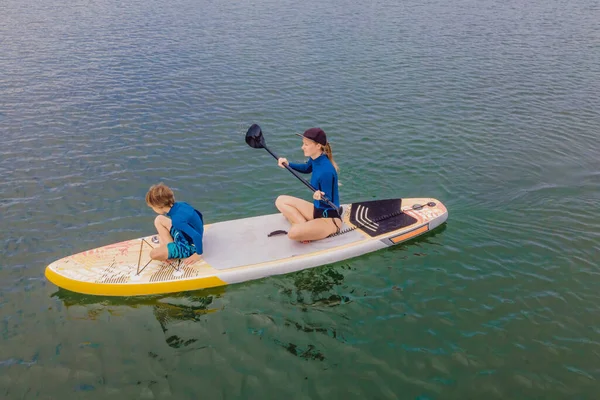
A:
x: 311, y: 149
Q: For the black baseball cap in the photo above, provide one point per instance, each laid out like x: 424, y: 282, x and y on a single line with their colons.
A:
x: 316, y: 135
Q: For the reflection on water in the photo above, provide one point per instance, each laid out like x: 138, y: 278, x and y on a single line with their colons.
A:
x: 70, y: 298
x: 180, y: 315
x: 168, y: 309
x: 308, y: 353
x: 314, y: 289
x: 490, y: 106
x: 167, y: 314
x: 320, y: 289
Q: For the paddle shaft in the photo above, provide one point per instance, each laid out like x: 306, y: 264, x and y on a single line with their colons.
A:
x: 323, y: 197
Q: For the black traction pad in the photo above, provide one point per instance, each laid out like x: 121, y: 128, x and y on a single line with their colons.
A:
x: 380, y: 216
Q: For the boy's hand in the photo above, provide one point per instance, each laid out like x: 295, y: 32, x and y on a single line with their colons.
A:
x: 192, y: 259
x: 318, y: 195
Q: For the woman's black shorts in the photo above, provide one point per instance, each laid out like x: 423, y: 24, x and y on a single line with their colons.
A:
x: 320, y: 213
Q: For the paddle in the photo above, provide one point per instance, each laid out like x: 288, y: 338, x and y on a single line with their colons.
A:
x: 255, y: 139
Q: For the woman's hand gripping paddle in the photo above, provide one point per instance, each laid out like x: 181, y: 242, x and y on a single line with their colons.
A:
x: 255, y: 139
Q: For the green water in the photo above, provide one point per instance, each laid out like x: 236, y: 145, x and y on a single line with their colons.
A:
x: 493, y: 108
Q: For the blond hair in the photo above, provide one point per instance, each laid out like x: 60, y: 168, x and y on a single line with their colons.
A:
x: 160, y: 195
x: 329, y: 154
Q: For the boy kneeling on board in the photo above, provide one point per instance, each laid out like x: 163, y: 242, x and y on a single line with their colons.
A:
x: 180, y: 231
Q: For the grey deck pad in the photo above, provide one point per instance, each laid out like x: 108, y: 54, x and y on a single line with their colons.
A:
x: 242, y: 242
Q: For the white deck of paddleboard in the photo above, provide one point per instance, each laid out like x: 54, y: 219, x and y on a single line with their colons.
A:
x: 236, y: 243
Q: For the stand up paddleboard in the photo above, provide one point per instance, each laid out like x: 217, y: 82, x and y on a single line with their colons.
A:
x: 245, y: 249
x: 242, y: 250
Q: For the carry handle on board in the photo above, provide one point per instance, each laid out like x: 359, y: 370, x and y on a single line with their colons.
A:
x: 255, y: 139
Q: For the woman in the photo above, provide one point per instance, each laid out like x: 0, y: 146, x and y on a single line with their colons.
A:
x: 317, y: 220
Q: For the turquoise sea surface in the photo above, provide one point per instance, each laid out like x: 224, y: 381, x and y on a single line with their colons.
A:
x: 491, y: 107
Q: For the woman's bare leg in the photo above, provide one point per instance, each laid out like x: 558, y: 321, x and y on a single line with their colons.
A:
x: 300, y: 214
x: 294, y: 209
x: 315, y: 229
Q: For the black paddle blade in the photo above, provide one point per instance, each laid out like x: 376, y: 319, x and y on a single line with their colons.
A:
x: 254, y: 137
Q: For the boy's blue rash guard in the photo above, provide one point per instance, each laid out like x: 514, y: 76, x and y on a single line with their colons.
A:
x: 188, y: 221
x: 324, y: 178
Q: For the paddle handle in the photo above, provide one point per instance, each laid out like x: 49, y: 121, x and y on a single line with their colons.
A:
x: 323, y: 198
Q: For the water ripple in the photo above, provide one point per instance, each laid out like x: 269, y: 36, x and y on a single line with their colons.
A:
x: 492, y: 108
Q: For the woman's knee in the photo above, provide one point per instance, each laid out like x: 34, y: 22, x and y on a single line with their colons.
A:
x: 295, y: 233
x: 314, y: 230
x: 281, y: 200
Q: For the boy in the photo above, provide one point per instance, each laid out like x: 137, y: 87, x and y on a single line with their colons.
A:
x: 180, y: 235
